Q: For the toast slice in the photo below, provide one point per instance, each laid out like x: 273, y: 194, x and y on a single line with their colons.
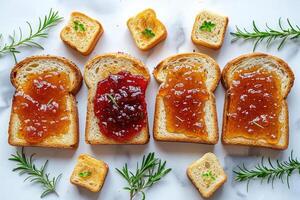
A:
x: 37, y: 65
x: 98, y: 69
x: 207, y: 174
x: 209, y: 69
x: 146, y: 30
x: 268, y: 109
x: 209, y: 29
x: 81, y: 33
x: 89, y: 173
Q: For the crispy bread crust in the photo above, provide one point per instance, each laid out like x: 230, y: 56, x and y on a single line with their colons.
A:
x: 94, y: 41
x: 183, y: 138
x: 225, y: 81
x: 144, y: 72
x: 73, y: 92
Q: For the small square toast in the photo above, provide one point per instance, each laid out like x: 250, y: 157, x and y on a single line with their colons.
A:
x: 146, y: 30
x: 81, y: 33
x: 89, y: 173
x: 207, y: 174
x: 209, y: 29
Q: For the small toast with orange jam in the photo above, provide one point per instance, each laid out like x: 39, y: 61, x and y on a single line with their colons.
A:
x: 44, y: 110
x: 146, y: 30
x: 255, y: 110
x: 185, y: 109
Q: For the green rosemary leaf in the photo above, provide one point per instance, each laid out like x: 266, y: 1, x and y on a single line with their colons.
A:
x: 270, y: 172
x: 25, y: 165
x: 148, y: 33
x: 207, y: 26
x: 269, y: 34
x: 78, y: 26
x: 85, y: 174
x: 149, y: 172
x: 112, y: 99
x: 29, y: 41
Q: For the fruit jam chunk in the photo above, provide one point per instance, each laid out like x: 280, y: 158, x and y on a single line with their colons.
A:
x: 184, y: 95
x: 254, y: 105
x: 41, y: 106
x: 120, y: 105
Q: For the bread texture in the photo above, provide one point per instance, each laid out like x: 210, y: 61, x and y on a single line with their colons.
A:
x: 143, y: 22
x: 98, y: 69
x: 207, y: 174
x: 81, y: 33
x: 36, y: 65
x: 286, y: 77
x: 89, y: 173
x: 212, y: 72
x: 212, y: 39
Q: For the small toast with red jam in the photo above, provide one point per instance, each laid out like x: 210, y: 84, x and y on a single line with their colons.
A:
x: 117, y: 109
x: 255, y: 110
x: 44, y: 110
x: 185, y: 108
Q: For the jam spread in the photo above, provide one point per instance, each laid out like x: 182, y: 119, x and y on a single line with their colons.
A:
x: 120, y: 105
x: 184, y: 95
x: 253, y: 105
x: 41, y: 105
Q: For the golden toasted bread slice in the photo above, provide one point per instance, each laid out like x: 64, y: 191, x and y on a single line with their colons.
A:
x: 209, y: 29
x: 207, y: 174
x: 99, y: 69
x: 81, y: 33
x: 146, y: 30
x: 206, y: 75
x: 255, y: 110
x: 89, y: 173
x: 33, y: 107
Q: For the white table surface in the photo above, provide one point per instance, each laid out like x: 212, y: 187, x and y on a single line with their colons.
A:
x: 178, y: 16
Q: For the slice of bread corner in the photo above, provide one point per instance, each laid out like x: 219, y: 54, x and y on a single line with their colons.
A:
x: 98, y: 69
x: 207, y: 174
x: 213, y: 74
x: 81, y: 33
x: 212, y: 39
x: 89, y: 173
x: 39, y: 64
x: 286, y: 76
x: 146, y: 20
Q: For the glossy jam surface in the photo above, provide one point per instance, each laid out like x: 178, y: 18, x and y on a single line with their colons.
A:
x: 120, y: 105
x: 184, y: 94
x: 253, y: 105
x: 41, y: 105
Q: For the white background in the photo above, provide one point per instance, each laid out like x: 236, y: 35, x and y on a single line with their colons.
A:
x: 178, y: 16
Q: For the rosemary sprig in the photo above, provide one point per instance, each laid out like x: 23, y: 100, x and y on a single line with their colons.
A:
x: 269, y: 34
x: 148, y: 173
x: 280, y: 170
x: 112, y: 99
x: 17, y: 41
x: 26, y: 166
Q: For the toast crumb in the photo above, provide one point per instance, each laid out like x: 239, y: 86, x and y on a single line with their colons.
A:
x: 146, y: 30
x: 207, y: 174
x: 209, y: 29
x: 81, y: 33
x: 89, y: 173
